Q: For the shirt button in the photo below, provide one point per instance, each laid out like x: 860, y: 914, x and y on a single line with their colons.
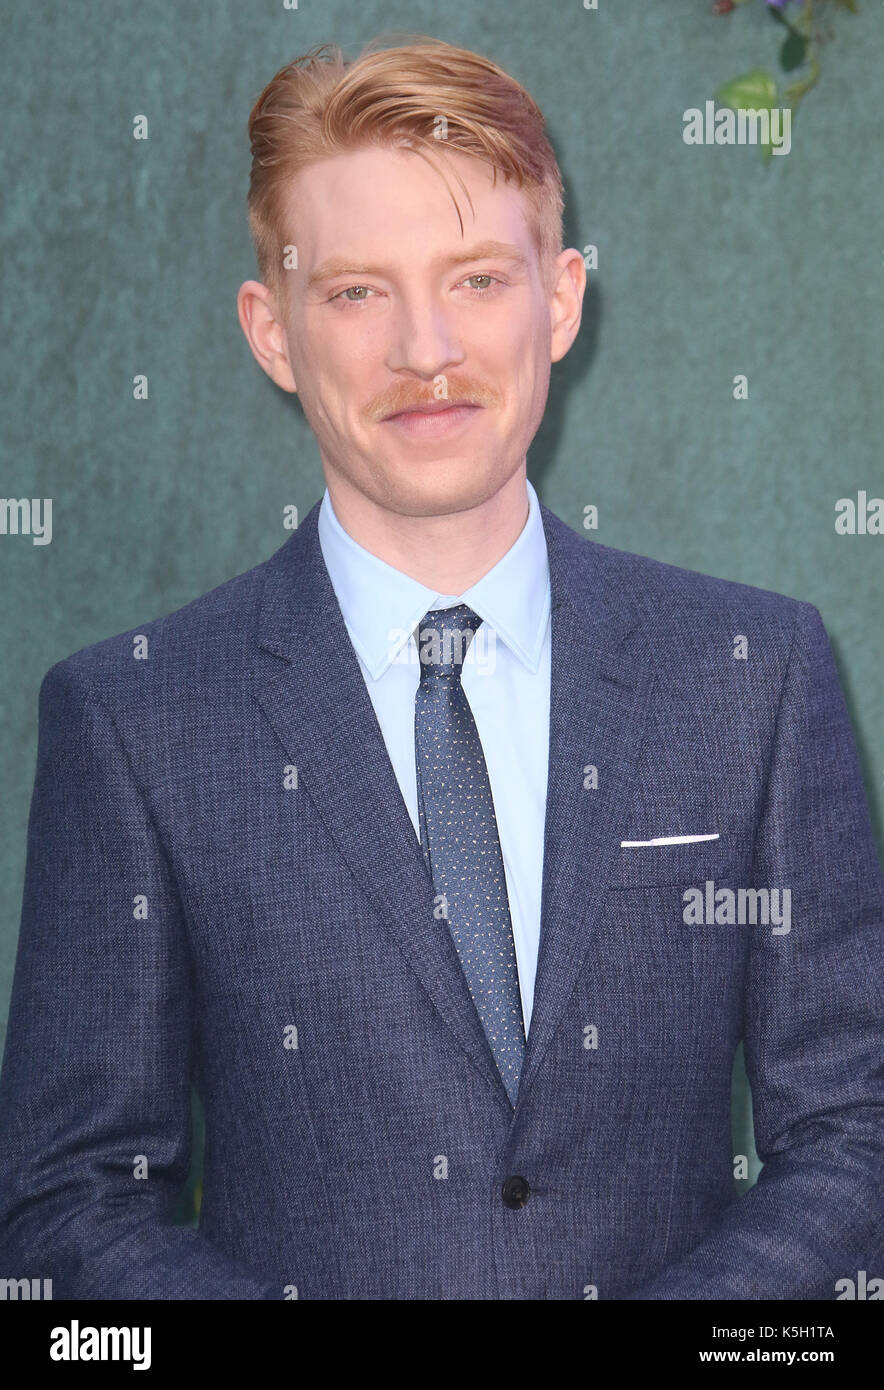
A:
x: 515, y: 1192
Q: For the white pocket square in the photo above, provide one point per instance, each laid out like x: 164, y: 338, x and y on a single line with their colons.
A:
x: 667, y: 840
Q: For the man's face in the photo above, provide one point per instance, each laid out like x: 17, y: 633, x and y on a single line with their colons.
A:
x: 421, y: 352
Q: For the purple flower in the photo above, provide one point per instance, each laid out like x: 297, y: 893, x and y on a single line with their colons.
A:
x: 781, y: 4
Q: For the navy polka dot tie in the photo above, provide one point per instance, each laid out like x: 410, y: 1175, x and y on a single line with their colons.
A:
x: 459, y: 834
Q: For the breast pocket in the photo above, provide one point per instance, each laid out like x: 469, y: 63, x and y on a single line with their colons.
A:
x: 725, y: 860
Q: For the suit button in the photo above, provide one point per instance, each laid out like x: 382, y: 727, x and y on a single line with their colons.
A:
x: 515, y: 1192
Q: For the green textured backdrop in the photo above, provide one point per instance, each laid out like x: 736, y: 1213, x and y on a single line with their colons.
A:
x: 124, y: 257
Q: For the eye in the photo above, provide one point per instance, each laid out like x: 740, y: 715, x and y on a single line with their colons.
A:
x: 484, y: 288
x: 354, y: 294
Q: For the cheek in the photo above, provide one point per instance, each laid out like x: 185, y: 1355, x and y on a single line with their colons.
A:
x: 337, y: 383
x: 352, y: 365
x: 527, y: 357
x: 515, y: 347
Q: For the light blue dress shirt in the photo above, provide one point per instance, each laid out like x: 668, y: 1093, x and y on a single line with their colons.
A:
x: 506, y: 680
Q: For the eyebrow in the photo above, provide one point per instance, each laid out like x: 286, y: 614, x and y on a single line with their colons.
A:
x: 484, y: 251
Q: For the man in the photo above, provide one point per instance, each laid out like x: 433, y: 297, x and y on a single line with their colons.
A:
x: 449, y: 854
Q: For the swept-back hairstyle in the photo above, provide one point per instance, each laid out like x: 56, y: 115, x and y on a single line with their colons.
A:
x: 427, y: 96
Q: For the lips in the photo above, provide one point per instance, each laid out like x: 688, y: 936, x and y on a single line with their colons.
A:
x: 432, y: 422
x: 430, y: 408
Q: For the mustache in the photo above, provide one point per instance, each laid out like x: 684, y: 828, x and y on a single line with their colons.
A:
x: 405, y: 395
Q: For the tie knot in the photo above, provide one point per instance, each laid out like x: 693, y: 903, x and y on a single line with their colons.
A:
x: 443, y: 638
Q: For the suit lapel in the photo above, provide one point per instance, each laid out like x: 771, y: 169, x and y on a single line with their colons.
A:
x: 600, y: 690
x: 309, y: 683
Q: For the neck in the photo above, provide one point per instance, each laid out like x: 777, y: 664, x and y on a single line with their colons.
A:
x: 448, y: 553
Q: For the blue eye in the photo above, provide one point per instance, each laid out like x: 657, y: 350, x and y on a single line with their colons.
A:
x: 361, y: 291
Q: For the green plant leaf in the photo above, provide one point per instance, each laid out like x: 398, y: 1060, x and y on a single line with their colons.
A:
x: 756, y: 89
x: 792, y: 52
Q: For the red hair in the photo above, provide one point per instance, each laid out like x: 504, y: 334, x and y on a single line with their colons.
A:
x: 318, y: 106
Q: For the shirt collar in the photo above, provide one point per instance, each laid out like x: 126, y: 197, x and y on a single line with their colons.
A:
x: 382, y: 606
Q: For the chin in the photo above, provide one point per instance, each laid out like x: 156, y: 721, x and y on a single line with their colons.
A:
x: 439, y: 487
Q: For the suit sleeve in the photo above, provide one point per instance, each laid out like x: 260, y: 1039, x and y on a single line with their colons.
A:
x: 813, y: 1019
x: 95, y: 1116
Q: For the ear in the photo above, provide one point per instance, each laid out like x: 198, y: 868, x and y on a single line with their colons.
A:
x: 265, y: 333
x: 566, y: 301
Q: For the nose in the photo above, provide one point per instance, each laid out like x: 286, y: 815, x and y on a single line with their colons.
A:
x: 426, y: 340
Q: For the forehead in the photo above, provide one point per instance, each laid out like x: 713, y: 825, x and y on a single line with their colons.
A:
x: 375, y: 200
